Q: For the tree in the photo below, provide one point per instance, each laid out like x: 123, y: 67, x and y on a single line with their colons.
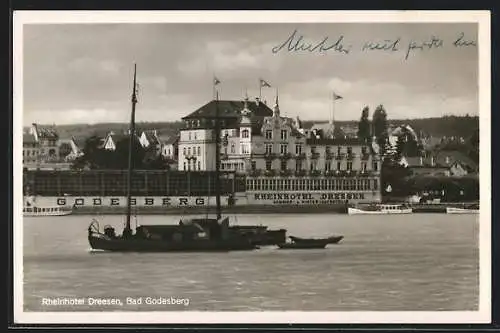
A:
x: 92, y: 156
x: 121, y: 154
x: 364, y: 131
x: 380, y: 128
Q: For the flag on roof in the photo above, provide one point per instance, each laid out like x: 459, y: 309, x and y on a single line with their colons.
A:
x: 264, y: 83
x: 335, y: 96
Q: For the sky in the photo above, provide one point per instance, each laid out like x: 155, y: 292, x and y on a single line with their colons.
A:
x: 82, y: 73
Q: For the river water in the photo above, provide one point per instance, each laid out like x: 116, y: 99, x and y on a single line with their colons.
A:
x: 409, y: 262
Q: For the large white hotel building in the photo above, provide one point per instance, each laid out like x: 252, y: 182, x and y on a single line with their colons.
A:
x: 282, y: 160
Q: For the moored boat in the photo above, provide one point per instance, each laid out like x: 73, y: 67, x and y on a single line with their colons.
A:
x: 32, y: 211
x: 457, y: 210
x: 190, y: 235
x: 380, y: 209
x: 330, y: 240
x: 305, y: 243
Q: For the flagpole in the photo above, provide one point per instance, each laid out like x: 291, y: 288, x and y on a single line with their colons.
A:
x: 260, y: 89
x: 213, y: 86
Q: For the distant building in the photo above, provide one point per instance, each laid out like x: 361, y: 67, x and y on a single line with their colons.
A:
x: 77, y: 146
x: 149, y: 140
x: 40, y: 145
x: 447, y: 163
x: 169, y: 146
x: 112, y: 139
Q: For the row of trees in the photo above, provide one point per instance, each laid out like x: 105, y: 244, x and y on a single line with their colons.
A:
x: 95, y: 157
x: 399, y: 178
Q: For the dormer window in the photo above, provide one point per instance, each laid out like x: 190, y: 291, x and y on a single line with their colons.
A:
x: 284, y: 135
x: 245, y: 134
x: 269, y: 134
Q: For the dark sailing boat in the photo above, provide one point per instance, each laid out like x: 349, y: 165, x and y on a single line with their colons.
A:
x: 195, y: 234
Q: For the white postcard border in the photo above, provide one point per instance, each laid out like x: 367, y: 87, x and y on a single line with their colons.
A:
x: 483, y: 315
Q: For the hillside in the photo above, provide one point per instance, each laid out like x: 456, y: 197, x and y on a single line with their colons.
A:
x: 436, y: 127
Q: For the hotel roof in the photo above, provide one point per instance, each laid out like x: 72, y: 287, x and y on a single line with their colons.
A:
x: 230, y: 109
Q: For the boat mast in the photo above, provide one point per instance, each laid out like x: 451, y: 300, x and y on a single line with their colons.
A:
x: 128, y: 230
x: 217, y: 157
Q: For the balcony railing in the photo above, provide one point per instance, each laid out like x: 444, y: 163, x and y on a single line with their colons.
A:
x: 340, y: 156
x: 351, y: 156
x: 285, y: 155
x: 270, y: 156
x: 300, y: 156
x: 314, y: 156
x: 300, y: 173
x: 329, y: 156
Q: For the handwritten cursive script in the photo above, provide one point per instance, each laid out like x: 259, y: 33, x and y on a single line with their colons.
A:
x: 432, y: 43
x: 296, y: 43
x: 461, y: 41
x: 386, y: 45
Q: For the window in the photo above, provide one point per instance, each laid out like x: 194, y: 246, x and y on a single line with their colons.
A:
x: 363, y: 150
x: 339, y: 166
x: 349, y: 150
x: 244, y: 134
x: 283, y: 165
x: 184, y: 151
x: 328, y: 165
x: 283, y: 149
x: 195, y: 136
x: 339, y: 150
x: 199, y: 151
x: 269, y: 134
x: 244, y: 149
x: 298, y: 165
x: 189, y: 135
x: 269, y: 148
x: 313, y: 165
x: 327, y: 150
x: 349, y: 165
x: 284, y: 135
x: 199, y: 165
x: 313, y: 150
x: 298, y: 149
x: 363, y: 166
x: 233, y: 150
x: 189, y: 151
x: 184, y: 166
x: 253, y: 165
x: 375, y: 166
x: 268, y: 165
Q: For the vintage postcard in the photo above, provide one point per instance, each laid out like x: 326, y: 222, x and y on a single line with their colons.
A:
x: 252, y: 167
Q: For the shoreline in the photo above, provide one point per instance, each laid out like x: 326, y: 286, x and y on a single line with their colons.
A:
x: 247, y: 209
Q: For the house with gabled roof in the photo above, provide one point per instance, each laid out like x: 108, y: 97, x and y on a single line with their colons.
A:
x: 112, y: 139
x: 40, y: 144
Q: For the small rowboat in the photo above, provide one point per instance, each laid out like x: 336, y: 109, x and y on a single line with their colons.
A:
x: 309, y: 243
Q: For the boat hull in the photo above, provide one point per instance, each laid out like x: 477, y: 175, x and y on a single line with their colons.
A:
x: 358, y: 211
x: 50, y: 211
x: 303, y: 245
x: 104, y: 243
x: 453, y: 210
x: 329, y: 240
